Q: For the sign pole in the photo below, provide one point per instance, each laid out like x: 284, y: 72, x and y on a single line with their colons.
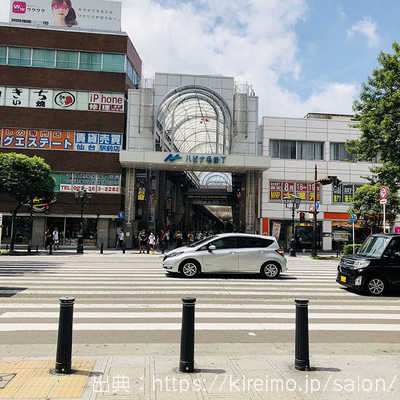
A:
x: 1, y: 228
x: 384, y: 218
x: 353, y: 238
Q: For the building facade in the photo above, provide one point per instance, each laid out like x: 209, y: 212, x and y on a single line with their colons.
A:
x: 63, y: 98
x: 298, y: 146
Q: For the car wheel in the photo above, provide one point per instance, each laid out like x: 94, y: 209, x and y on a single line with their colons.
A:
x: 190, y: 269
x: 270, y: 270
x: 376, y: 286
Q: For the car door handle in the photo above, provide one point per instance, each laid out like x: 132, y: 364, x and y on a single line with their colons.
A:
x: 232, y: 252
x: 261, y: 251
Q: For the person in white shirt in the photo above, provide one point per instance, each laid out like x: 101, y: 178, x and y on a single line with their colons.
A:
x: 56, y: 239
x: 152, y: 240
x: 121, y: 238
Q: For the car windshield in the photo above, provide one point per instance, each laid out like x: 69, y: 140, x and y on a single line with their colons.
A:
x: 374, y: 246
x: 202, y: 241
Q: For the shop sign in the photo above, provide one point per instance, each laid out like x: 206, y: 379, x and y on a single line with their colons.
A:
x: 61, y: 140
x: 305, y: 190
x: 97, y: 15
x: 62, y: 99
x: 340, y: 236
x: 95, y: 183
x: 141, y: 193
x: 197, y: 159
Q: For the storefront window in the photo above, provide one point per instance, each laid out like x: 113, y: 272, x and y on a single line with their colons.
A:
x: 23, y: 230
x: 72, y: 229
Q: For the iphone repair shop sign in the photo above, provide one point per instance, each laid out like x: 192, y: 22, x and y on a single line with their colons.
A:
x: 99, y: 15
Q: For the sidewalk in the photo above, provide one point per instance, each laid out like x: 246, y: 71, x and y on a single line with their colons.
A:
x: 223, y: 371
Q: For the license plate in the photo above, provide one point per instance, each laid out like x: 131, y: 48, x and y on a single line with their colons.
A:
x: 343, y: 279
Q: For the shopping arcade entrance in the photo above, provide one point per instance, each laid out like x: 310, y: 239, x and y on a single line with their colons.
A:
x: 155, y: 172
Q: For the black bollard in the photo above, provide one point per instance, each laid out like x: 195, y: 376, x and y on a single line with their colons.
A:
x: 64, y: 344
x: 50, y: 249
x: 186, y: 363
x: 302, y: 355
x: 123, y: 248
x: 101, y: 248
x: 148, y: 248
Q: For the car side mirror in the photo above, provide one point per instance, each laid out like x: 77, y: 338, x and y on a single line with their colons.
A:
x: 211, y: 248
x: 397, y: 254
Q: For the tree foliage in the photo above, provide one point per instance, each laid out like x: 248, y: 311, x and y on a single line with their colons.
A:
x: 378, y: 113
x: 24, y: 178
x: 366, y: 206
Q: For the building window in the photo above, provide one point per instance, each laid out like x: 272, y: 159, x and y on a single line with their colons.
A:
x: 43, y: 58
x: 113, y: 62
x: 67, y: 59
x: 292, y: 150
x: 3, y: 55
x: 19, y: 56
x: 90, y: 61
x: 339, y: 152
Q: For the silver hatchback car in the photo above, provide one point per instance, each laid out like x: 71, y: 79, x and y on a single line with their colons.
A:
x: 238, y: 253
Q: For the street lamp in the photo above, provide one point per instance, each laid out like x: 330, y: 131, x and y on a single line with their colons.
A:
x: 80, y: 199
x: 292, y: 202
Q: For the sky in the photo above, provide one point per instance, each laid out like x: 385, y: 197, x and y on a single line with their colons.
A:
x: 299, y: 56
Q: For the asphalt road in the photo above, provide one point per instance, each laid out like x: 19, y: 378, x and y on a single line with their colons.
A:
x: 130, y: 299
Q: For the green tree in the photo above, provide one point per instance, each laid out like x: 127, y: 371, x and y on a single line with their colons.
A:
x: 378, y: 113
x: 24, y: 178
x: 367, y: 207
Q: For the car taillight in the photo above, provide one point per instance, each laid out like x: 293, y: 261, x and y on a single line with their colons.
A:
x: 281, y: 252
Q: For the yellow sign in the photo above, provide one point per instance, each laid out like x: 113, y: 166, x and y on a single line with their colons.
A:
x: 141, y: 193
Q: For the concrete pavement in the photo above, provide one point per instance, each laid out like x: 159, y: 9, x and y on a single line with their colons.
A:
x: 223, y: 370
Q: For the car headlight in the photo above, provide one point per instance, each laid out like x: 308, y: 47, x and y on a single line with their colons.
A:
x: 174, y: 254
x: 360, y: 264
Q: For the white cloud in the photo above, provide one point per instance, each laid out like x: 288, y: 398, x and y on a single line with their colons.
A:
x: 254, y: 41
x: 367, y: 28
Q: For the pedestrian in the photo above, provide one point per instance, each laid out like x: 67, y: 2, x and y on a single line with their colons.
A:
x: 162, y: 240
x: 298, y: 243
x: 151, y: 241
x: 56, y: 239
x: 166, y: 239
x: 142, y: 241
x: 47, y: 238
x: 179, y: 239
x: 121, y: 239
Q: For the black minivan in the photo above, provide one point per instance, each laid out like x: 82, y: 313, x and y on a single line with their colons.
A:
x: 375, y: 268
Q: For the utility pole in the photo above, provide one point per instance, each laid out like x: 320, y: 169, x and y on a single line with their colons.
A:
x: 325, y: 181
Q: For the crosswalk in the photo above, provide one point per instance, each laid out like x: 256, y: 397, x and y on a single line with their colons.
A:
x: 134, y: 303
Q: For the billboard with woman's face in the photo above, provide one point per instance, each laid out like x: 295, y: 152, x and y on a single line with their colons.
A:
x: 88, y: 14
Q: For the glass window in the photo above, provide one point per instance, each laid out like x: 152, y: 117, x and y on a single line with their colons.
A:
x: 225, y: 243
x: 19, y: 56
x: 113, y: 62
x: 90, y: 61
x: 318, y: 150
x: 287, y: 149
x: 67, y: 59
x: 3, y: 55
x: 339, y: 153
x: 305, y: 150
x: 43, y: 58
x: 274, y: 148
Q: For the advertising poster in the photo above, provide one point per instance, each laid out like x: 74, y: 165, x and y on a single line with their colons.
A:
x: 87, y: 14
x: 276, y: 230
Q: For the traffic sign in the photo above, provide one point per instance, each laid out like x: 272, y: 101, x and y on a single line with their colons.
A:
x: 353, y: 217
x: 311, y: 208
x: 121, y: 215
x: 383, y: 192
x: 316, y: 205
x: 383, y: 201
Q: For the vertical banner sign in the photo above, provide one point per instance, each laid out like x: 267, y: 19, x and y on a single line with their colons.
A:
x: 276, y: 230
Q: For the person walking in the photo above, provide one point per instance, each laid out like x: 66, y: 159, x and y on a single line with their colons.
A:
x: 162, y: 240
x: 47, y: 238
x: 56, y: 239
x: 151, y: 241
x: 121, y: 239
x: 142, y: 241
x: 179, y: 241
